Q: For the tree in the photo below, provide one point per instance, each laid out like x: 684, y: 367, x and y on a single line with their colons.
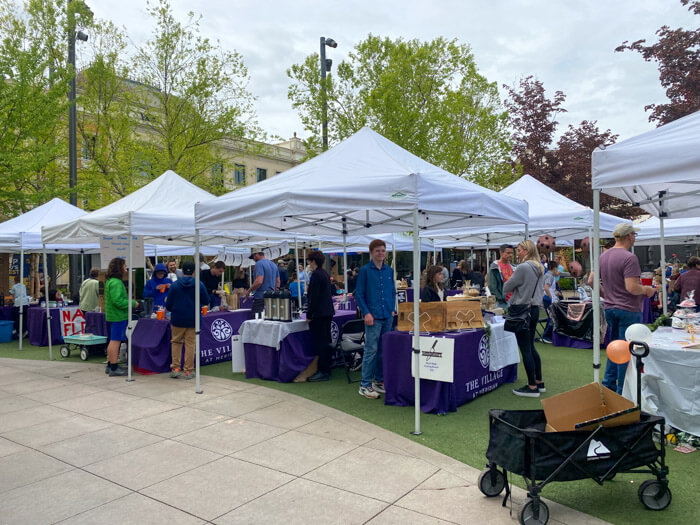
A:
x: 427, y: 97
x: 677, y: 53
x: 533, y: 120
x: 33, y: 104
x: 192, y: 95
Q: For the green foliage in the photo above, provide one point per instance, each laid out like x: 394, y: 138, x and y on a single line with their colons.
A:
x: 566, y: 283
x: 192, y: 95
x: 427, y: 97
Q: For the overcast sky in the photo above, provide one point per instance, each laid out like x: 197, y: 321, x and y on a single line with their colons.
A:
x: 568, y: 45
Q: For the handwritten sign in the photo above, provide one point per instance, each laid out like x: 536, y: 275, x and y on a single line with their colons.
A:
x: 436, y: 359
x: 112, y: 246
x: 72, y: 321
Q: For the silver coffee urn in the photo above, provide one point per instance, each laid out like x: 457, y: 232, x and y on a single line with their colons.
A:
x: 285, y: 307
x: 267, y: 296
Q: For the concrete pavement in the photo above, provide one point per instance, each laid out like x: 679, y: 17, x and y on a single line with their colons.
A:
x: 79, y: 447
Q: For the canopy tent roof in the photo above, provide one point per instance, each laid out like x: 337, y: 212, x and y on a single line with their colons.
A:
x: 364, y: 185
x: 658, y: 170
x: 24, y: 231
x: 676, y: 231
x: 551, y: 213
x: 162, y: 212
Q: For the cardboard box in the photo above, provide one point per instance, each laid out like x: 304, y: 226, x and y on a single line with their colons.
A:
x: 232, y: 300
x: 462, y: 315
x: 432, y: 317
x: 587, y: 407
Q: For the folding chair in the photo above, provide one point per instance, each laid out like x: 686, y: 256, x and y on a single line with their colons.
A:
x: 541, y: 326
x: 351, y: 345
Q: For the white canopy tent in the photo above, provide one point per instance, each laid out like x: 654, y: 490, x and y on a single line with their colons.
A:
x: 658, y: 171
x: 364, y: 185
x: 685, y: 230
x: 550, y: 213
x: 22, y: 234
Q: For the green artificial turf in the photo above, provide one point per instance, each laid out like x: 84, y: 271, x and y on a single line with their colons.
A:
x: 464, y: 434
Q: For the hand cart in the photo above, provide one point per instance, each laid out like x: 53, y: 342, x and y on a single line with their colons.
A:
x: 519, y: 444
x: 85, y: 343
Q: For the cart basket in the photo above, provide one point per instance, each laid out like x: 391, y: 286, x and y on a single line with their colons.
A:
x: 518, y: 442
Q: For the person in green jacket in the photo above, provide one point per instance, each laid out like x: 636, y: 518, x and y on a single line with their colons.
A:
x: 89, y: 291
x: 117, y: 313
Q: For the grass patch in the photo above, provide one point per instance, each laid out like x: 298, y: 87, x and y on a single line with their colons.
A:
x: 463, y: 435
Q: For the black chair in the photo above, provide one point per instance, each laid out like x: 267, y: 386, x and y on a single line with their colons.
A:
x: 541, y: 326
x: 351, y: 346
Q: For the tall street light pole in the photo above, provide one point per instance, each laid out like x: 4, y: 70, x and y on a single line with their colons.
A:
x: 73, y: 34
x: 325, y: 66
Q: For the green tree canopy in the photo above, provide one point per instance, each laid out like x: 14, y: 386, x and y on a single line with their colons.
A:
x: 427, y: 97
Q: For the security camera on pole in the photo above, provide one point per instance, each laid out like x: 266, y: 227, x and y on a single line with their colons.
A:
x: 325, y: 67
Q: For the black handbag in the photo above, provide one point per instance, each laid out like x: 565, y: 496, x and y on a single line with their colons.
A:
x: 518, y: 315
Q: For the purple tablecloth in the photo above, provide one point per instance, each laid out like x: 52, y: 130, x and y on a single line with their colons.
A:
x: 96, y: 323
x: 562, y: 340
x: 150, y: 348
x: 471, y: 377
x: 409, y: 294
x: 11, y: 313
x: 245, y: 303
x: 295, y: 354
x: 36, y: 326
x: 647, y: 313
x: 351, y: 304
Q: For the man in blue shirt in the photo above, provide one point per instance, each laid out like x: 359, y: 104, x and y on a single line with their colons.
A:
x: 267, y: 277
x: 375, y: 294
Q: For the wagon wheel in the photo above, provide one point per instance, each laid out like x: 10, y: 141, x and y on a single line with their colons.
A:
x: 527, y: 513
x: 84, y: 353
x: 654, y: 494
x: 65, y: 351
x: 492, y: 482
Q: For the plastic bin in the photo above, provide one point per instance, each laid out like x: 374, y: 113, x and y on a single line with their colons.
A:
x: 6, y: 328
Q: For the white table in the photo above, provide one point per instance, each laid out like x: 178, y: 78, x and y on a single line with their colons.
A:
x: 671, y: 380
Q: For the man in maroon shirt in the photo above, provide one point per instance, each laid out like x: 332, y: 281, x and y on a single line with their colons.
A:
x: 623, y: 293
x: 689, y: 281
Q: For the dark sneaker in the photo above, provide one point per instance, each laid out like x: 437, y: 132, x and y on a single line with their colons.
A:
x: 119, y: 371
x: 378, y: 386
x: 107, y: 369
x: 546, y: 340
x: 368, y: 392
x: 526, y: 391
x: 318, y: 376
x: 541, y: 388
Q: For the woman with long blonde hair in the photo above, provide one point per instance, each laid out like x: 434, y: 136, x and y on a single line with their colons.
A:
x: 527, y: 286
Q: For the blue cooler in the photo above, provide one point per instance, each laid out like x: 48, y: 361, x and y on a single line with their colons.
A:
x: 6, y: 328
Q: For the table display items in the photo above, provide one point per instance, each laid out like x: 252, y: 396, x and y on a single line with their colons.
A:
x: 686, y: 315
x: 278, y: 306
x: 441, y: 316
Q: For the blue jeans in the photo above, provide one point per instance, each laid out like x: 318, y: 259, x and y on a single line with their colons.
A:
x: 372, y: 361
x: 547, y: 302
x: 618, y: 322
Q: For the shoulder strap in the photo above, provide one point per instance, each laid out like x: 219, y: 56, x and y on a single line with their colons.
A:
x: 536, y: 281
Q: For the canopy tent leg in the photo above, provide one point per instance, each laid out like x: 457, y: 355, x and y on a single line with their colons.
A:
x: 663, y: 263
x: 129, y: 323
x: 197, y: 310
x: 296, y: 268
x: 393, y: 269
x: 590, y: 250
x: 345, y: 265
x: 416, y: 326
x: 596, y: 285
x: 82, y: 266
x: 22, y: 295
x: 46, y: 300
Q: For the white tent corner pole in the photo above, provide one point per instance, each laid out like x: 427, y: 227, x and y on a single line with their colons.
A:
x: 345, y: 264
x: 129, y: 325
x: 46, y: 300
x: 197, y: 310
x: 664, y: 298
x: 416, y: 325
x: 596, y: 285
x: 22, y: 294
x: 296, y: 269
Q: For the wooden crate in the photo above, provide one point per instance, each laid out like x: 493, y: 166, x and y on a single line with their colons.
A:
x: 431, y: 319
x: 461, y: 315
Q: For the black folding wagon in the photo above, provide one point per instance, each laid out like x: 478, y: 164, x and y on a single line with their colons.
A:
x: 519, y: 444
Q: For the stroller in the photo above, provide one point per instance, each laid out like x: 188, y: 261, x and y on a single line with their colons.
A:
x: 518, y: 443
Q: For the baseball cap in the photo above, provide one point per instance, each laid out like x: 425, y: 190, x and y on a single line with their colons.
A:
x: 252, y: 255
x: 187, y: 268
x: 623, y: 229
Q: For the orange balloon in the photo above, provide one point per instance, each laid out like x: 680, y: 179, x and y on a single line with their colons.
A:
x: 619, y: 351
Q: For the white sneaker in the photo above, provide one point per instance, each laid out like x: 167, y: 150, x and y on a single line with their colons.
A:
x: 368, y: 392
x: 378, y: 387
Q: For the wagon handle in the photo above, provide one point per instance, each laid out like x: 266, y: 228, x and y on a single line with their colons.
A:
x: 639, y: 350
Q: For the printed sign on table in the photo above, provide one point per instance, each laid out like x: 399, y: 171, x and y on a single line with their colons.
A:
x: 436, y: 359
x: 72, y: 321
x: 112, y: 246
x: 401, y: 296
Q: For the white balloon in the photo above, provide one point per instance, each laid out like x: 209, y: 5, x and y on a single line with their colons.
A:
x: 639, y: 333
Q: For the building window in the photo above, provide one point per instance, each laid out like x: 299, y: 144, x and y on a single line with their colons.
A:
x: 88, y: 150
x: 217, y: 174
x: 262, y: 174
x: 239, y: 174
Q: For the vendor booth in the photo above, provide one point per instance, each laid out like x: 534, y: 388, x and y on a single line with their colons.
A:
x: 365, y: 185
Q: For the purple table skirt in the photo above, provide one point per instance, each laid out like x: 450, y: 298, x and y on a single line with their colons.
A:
x: 151, y: 350
x: 562, y: 340
x: 471, y: 377
x: 11, y: 313
x: 36, y: 326
x: 295, y: 354
x: 647, y: 313
x: 96, y: 323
